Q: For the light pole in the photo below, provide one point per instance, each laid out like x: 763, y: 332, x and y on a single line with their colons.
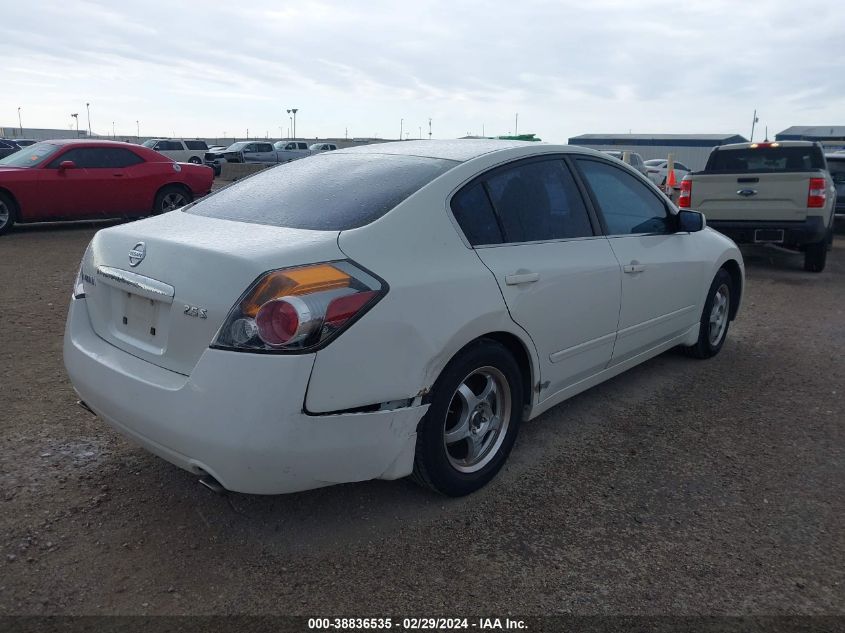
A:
x: 429, y: 129
x: 113, y: 135
x: 294, y: 110
x: 88, y: 108
x: 76, y: 116
x: 138, y: 129
x: 754, y: 120
x: 19, y: 120
x: 516, y: 125
x: 401, y: 125
x: 421, y: 132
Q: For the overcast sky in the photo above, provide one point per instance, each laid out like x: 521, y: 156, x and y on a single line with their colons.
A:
x: 201, y: 68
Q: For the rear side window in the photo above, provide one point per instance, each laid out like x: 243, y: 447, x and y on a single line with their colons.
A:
x: 628, y: 205
x: 475, y: 215
x: 766, y: 159
x: 326, y: 192
x: 196, y: 145
x: 538, y: 201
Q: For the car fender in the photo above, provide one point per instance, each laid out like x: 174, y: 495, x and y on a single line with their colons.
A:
x: 441, y: 297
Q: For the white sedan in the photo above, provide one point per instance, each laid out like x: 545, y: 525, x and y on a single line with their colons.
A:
x: 388, y: 310
x: 657, y: 170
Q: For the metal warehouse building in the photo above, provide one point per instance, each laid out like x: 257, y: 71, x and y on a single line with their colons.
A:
x: 690, y: 149
x: 831, y: 136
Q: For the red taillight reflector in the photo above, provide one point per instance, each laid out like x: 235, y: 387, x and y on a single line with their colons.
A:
x: 342, y: 309
x: 277, y: 321
x: 685, y: 197
x: 817, y: 193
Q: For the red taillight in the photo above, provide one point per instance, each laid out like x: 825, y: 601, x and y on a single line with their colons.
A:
x: 817, y: 194
x: 342, y: 309
x: 299, y: 309
x: 277, y: 322
x: 685, y: 198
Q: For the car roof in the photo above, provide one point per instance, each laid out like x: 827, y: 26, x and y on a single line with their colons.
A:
x: 775, y: 143
x: 89, y: 142
x: 459, y: 150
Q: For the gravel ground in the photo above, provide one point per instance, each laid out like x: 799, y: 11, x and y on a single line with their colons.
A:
x: 682, y: 487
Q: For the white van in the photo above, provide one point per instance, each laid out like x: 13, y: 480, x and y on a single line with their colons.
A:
x: 178, y: 149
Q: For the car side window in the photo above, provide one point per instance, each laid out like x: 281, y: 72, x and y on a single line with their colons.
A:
x: 475, y: 215
x: 98, y: 158
x: 538, y: 201
x: 265, y: 147
x: 628, y: 205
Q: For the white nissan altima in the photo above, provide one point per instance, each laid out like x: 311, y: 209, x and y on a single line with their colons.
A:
x: 388, y: 310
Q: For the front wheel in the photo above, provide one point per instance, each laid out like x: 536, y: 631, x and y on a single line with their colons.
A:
x: 472, y: 422
x: 815, y: 256
x: 715, y: 319
x: 170, y: 198
x: 8, y: 213
x: 195, y: 160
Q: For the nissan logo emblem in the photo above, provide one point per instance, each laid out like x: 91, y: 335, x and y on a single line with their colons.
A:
x: 137, y: 254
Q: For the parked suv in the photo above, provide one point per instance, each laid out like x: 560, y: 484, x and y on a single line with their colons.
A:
x: 179, y: 150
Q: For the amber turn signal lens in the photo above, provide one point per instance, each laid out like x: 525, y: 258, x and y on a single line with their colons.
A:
x: 291, y: 282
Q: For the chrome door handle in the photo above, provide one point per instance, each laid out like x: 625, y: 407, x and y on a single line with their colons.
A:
x: 521, y: 278
x: 633, y: 267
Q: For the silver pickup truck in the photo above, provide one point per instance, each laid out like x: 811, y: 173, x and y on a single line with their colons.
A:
x: 775, y: 193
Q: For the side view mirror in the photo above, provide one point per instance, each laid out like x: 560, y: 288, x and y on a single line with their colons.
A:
x: 67, y: 164
x: 690, y: 221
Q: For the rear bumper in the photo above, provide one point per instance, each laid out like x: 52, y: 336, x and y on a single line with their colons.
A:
x: 811, y: 230
x: 238, y: 417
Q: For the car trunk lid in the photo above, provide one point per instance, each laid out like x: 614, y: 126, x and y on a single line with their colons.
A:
x: 161, y: 288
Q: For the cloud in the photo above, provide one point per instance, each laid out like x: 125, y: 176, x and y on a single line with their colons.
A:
x: 566, y: 67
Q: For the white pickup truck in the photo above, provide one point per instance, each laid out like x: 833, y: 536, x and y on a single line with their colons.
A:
x: 776, y: 193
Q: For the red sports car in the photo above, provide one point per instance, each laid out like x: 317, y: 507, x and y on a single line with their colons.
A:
x: 75, y: 180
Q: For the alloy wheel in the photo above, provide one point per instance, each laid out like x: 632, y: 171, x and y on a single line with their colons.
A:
x: 477, y: 419
x: 718, y: 322
x: 173, y: 201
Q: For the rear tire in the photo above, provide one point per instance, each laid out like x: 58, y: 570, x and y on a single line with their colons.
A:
x: 171, y: 197
x: 472, y: 421
x: 715, y: 318
x: 195, y: 160
x: 8, y: 213
x: 815, y: 256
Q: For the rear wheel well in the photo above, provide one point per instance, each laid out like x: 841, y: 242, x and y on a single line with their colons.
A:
x: 732, y: 268
x: 517, y: 349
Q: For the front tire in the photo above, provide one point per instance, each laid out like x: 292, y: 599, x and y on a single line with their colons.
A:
x: 170, y: 198
x: 8, y: 213
x: 472, y: 422
x: 815, y: 256
x: 195, y: 160
x: 715, y: 318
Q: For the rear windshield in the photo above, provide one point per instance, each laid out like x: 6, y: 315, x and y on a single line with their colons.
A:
x: 327, y: 192
x: 766, y: 159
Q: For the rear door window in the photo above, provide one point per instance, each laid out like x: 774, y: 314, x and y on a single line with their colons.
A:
x: 196, y: 145
x: 537, y: 201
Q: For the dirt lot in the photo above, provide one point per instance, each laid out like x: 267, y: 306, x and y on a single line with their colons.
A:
x: 682, y: 487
